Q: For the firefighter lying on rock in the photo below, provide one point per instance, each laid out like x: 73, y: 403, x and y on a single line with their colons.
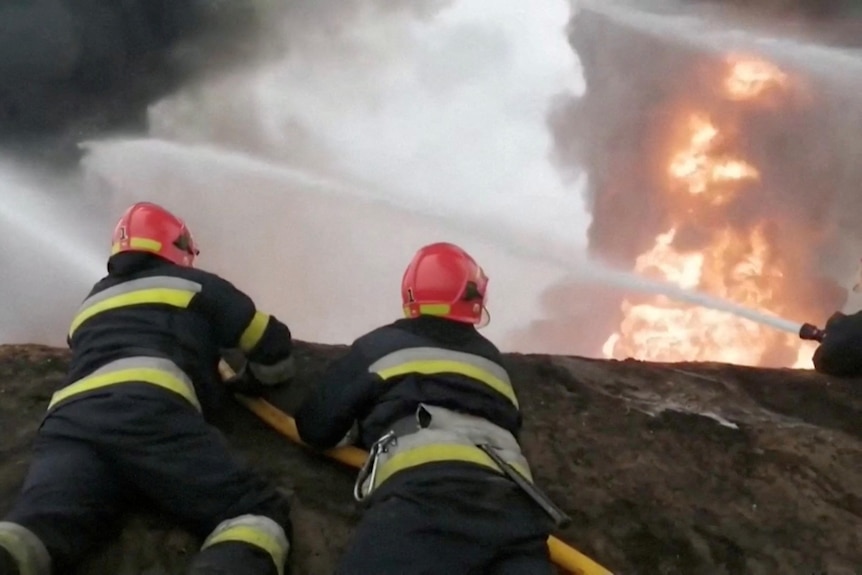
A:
x: 128, y: 426
x: 438, y: 414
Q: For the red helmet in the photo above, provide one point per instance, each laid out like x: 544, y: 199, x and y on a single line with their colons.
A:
x: 444, y: 280
x: 148, y: 227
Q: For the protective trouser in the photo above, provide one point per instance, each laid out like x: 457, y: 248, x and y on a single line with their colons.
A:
x: 454, y: 521
x: 434, y: 434
x: 95, y: 458
x: 486, y: 527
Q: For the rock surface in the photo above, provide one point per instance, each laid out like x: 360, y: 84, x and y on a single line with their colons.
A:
x: 666, y: 468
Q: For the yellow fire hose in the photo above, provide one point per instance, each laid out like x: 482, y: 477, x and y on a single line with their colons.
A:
x: 570, y: 560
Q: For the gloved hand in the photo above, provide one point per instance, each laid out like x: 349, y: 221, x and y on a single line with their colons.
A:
x: 811, y: 332
x: 245, y: 383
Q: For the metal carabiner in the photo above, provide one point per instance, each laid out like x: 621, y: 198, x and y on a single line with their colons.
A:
x: 379, y: 446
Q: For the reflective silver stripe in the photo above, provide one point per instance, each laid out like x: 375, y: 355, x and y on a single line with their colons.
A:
x: 26, y: 549
x: 154, y: 282
x: 257, y: 530
x: 93, y: 305
x: 154, y: 370
x: 430, y: 360
x: 448, y: 428
x: 275, y: 373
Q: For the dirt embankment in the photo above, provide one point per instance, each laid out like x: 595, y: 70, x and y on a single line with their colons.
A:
x: 768, y: 481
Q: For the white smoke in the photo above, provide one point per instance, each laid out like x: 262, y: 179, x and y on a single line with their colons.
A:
x: 433, y: 127
x: 48, y: 258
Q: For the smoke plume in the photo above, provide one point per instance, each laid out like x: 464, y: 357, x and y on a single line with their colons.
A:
x: 646, y: 77
x: 346, y: 136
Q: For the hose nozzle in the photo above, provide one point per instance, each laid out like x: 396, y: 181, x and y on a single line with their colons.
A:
x: 809, y: 331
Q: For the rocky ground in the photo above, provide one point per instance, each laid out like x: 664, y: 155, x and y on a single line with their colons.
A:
x: 689, y: 469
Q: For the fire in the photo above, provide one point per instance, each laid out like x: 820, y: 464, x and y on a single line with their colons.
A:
x: 736, y: 264
x: 700, y: 170
x: 750, y: 78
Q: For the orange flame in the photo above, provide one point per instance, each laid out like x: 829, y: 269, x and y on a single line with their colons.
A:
x: 698, y: 168
x: 732, y: 266
x: 749, y: 78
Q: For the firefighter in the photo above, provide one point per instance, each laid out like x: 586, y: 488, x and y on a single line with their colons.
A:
x: 132, y: 422
x: 840, y: 351
x: 427, y: 395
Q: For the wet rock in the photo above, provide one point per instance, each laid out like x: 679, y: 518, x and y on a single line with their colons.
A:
x: 671, y: 469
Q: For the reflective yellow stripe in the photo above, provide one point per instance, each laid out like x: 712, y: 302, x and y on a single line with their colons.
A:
x: 27, y: 550
x: 173, y: 297
x: 106, y: 376
x: 430, y: 309
x: 446, y: 366
x: 252, y: 334
x: 139, y: 244
x: 257, y: 530
x: 435, y: 360
x: 254, y: 537
x: 430, y: 367
x: 154, y: 376
x: 166, y: 290
x: 439, y: 452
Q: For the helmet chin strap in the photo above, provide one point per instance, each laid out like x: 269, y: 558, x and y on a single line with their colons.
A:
x: 485, y: 319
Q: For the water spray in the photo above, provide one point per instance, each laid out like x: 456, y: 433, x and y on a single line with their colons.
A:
x: 627, y: 280
x: 26, y: 208
x: 527, y: 243
x: 838, y: 65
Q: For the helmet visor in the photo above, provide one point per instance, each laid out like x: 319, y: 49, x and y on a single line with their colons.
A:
x: 187, y: 244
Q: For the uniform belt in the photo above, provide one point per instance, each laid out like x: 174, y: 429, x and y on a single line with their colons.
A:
x: 440, y: 453
x: 405, y: 426
x: 155, y: 371
x: 454, y: 451
x: 480, y: 453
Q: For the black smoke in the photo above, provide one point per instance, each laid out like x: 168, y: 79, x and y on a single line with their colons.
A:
x: 86, y: 64
x: 74, y: 69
